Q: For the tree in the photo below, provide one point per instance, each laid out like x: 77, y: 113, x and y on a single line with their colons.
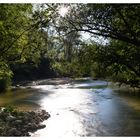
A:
x: 14, y: 22
x: 119, y: 21
x: 22, y: 36
x: 120, y: 24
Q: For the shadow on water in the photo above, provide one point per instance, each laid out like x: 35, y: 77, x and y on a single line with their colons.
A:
x: 121, y: 115
x: 93, y: 87
x: 23, y: 98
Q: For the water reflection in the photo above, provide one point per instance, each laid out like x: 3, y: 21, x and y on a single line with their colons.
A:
x: 23, y: 99
x: 79, y: 108
x: 89, y: 109
x: 70, y: 112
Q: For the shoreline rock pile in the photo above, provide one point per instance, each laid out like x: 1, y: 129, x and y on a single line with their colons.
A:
x: 18, y: 123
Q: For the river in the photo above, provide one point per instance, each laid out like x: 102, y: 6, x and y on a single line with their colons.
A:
x: 82, y: 107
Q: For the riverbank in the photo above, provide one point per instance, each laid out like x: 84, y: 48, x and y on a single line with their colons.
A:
x: 21, y: 123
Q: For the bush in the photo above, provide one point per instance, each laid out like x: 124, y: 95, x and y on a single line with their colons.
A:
x: 9, y: 109
x: 5, y: 76
x: 5, y: 83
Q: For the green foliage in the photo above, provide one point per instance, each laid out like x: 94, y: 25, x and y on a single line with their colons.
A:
x: 10, y: 109
x: 119, y: 59
x: 14, y: 20
x: 22, y: 38
x: 36, y: 40
x: 5, y: 76
x: 119, y: 22
x: 123, y: 60
x: 69, y: 69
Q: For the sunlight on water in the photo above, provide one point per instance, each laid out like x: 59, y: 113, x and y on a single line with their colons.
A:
x: 69, y: 109
x: 67, y: 99
x: 44, y: 87
x: 79, y: 108
x: 88, y: 111
x: 91, y: 84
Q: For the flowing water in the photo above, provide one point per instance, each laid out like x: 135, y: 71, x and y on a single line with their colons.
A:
x: 82, y: 107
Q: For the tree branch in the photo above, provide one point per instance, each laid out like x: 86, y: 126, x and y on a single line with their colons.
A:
x: 125, y: 22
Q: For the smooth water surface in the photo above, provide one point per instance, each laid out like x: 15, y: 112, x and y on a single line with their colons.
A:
x: 82, y: 107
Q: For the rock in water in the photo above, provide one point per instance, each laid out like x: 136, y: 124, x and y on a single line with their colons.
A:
x: 41, y: 126
x: 3, y: 115
x: 32, y: 113
x: 43, y: 112
x: 1, y: 129
x: 10, y: 118
x: 13, y: 132
x: 21, y: 123
x: 18, y: 122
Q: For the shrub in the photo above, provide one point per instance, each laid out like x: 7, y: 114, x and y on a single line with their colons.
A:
x: 9, y: 109
x: 5, y: 76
